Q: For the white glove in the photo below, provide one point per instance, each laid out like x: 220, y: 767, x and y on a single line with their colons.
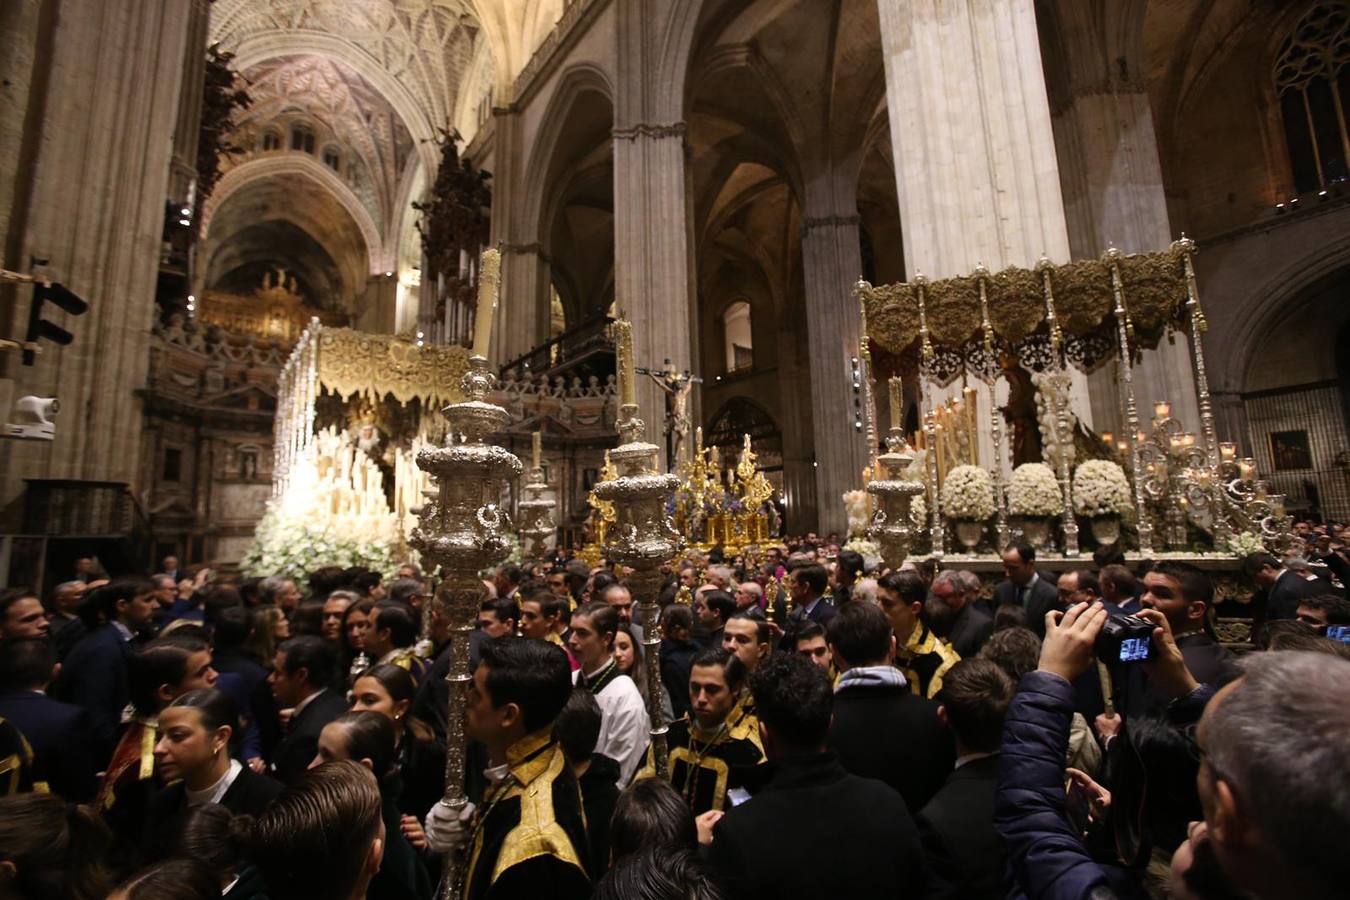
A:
x: 447, y: 830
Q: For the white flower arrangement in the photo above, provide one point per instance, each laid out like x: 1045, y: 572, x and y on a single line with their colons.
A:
x: 968, y: 493
x: 1245, y: 542
x: 855, y: 510
x: 862, y: 546
x: 1033, y: 491
x: 918, y: 512
x: 1100, y: 488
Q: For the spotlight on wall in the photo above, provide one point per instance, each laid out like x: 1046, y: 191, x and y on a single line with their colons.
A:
x: 1279, y: 209
x: 1322, y: 196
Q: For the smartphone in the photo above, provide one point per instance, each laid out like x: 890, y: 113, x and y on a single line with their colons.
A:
x: 1339, y: 633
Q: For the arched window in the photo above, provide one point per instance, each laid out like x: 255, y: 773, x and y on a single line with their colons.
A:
x: 739, y: 345
x: 302, y: 139
x: 271, y: 141
x: 331, y: 159
x: 1312, y: 80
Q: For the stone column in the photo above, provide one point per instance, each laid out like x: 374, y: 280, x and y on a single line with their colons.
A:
x: 831, y: 264
x: 1111, y: 176
x: 522, y: 313
x: 98, y: 189
x: 975, y: 166
x: 651, y: 254
x: 187, y: 130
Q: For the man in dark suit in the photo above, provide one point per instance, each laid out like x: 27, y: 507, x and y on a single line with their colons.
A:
x: 300, y: 677
x: 860, y: 826
x: 58, y: 732
x: 806, y: 583
x: 1025, y: 587
x: 965, y: 853
x: 95, y: 674
x: 1283, y: 588
x: 972, y: 625
x: 1183, y: 594
x: 881, y: 728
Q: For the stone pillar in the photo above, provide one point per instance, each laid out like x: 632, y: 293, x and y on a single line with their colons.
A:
x: 831, y: 264
x: 187, y: 130
x: 975, y: 166
x: 1112, y: 178
x: 98, y: 189
x: 522, y: 313
x: 651, y: 254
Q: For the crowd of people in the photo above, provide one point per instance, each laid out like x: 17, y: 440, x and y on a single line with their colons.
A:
x: 834, y: 729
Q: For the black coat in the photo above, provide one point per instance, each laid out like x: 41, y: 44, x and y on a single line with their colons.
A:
x: 970, y: 630
x: 895, y: 736
x: 677, y: 659
x: 59, y: 734
x: 1209, y: 661
x: 599, y: 793
x: 1283, y: 597
x: 249, y: 795
x: 297, y: 749
x: 856, y: 834
x: 94, y: 677
x: 965, y: 854
x: 1043, y: 598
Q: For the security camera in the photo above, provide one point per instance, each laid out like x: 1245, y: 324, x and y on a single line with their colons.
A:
x: 32, y: 418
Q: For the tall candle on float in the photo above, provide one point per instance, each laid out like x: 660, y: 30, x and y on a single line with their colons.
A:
x: 623, y: 350
x: 489, y: 274
x: 537, y: 448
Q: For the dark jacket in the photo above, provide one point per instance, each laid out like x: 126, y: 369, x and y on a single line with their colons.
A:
x: 95, y: 677
x: 599, y: 793
x: 65, y: 634
x: 892, y: 735
x: 965, y: 854
x: 857, y: 835
x: 1209, y: 661
x: 677, y: 659
x: 296, y: 750
x: 1046, y: 857
x: 970, y: 629
x: 249, y: 795
x: 1043, y: 598
x: 59, y: 735
x: 402, y: 875
x: 1283, y: 598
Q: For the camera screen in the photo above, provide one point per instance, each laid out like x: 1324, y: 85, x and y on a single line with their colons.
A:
x: 1135, y: 649
x: 1339, y: 633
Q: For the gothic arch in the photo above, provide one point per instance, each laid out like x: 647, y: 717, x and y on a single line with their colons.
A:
x: 302, y: 164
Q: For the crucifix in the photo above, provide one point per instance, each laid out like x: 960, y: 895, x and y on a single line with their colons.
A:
x: 676, y: 386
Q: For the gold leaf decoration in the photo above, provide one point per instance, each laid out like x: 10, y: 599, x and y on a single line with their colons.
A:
x: 375, y: 365
x: 1016, y: 303
x: 953, y: 310
x: 1155, y: 289
x: 1083, y: 298
x: 892, y: 315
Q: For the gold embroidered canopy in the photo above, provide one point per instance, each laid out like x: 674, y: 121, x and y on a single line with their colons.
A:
x: 1082, y: 295
x: 377, y: 365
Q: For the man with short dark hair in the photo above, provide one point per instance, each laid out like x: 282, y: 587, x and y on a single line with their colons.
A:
x: 1077, y: 586
x: 498, y: 618
x: 809, y: 641
x: 301, y: 672
x: 94, y: 675
x: 22, y: 615
x: 507, y: 580
x: 806, y: 584
x: 748, y: 638
x: 713, y: 608
x: 57, y: 732
x: 577, y: 730
x: 1119, y: 586
x: 65, y: 626
x: 848, y: 568
x: 618, y: 596
x: 971, y: 625
x: 678, y: 651
x: 920, y: 654
x: 881, y: 728
x: 1324, y: 610
x: 813, y: 805
x: 542, y: 615
x: 532, y: 832
x: 1281, y: 587
x: 1025, y: 587
x: 712, y: 747
x: 965, y: 853
x: 391, y: 636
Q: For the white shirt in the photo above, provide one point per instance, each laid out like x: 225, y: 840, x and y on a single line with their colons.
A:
x: 625, y: 729
x: 217, y: 790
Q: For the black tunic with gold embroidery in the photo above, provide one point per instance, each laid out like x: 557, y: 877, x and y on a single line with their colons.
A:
x: 705, y: 765
x: 530, y: 841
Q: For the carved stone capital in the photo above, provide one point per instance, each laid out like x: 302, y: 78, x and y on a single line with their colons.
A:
x: 647, y: 130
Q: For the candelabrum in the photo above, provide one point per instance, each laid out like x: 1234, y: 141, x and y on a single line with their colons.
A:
x: 990, y: 376
x: 893, y: 494
x: 1250, y: 507
x: 463, y: 530
x: 1174, y: 472
x: 643, y: 538
x: 536, y: 512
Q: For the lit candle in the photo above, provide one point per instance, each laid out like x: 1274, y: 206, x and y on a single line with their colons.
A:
x: 1188, y: 439
x: 489, y: 273
x: 897, y: 401
x: 1162, y: 410
x: 698, y: 439
x: 1227, y: 451
x: 538, y: 447
x: 1108, y: 437
x: 623, y: 349
x: 1123, y: 446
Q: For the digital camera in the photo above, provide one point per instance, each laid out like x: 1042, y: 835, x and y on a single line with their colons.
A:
x: 1125, y: 639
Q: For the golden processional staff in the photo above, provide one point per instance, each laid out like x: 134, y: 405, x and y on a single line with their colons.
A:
x: 463, y: 530
x: 642, y: 538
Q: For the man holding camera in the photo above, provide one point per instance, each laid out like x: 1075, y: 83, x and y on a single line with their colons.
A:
x: 1183, y: 594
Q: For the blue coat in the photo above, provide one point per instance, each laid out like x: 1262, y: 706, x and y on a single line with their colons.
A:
x: 59, y: 735
x: 95, y: 677
x: 1046, y: 856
